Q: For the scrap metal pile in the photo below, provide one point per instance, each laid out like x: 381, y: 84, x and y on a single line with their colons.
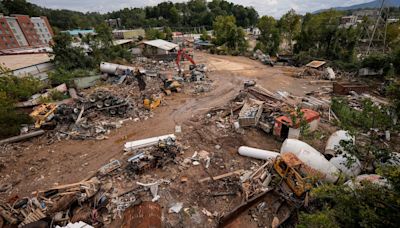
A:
x: 100, y: 198
x: 89, y: 116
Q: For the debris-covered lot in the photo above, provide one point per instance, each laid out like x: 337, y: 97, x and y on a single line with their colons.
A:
x: 100, y: 164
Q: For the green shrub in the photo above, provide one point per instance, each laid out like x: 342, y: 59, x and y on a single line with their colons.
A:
x: 371, y: 205
x: 320, y: 219
x: 20, y: 88
x: 60, y: 76
x: 10, y: 119
x: 371, y: 116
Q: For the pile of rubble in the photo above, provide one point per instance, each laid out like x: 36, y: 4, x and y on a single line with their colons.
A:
x: 89, y: 117
x: 100, y: 198
x: 263, y: 58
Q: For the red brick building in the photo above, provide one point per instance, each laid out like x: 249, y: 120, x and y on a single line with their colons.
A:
x: 18, y: 31
x: 7, y: 38
x: 28, y: 29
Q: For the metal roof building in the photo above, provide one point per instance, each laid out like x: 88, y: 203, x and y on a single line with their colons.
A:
x: 162, y: 44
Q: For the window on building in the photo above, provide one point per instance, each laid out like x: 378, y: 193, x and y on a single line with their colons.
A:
x: 4, y: 38
x: 40, y: 30
x: 38, y: 24
x: 18, y: 37
x: 23, y: 24
x: 11, y: 24
x: 14, y: 31
x: 3, y: 24
x: 1, y: 31
x: 7, y: 32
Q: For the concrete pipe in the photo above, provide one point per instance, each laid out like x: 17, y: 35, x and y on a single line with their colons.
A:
x: 257, y: 153
x: 311, y: 157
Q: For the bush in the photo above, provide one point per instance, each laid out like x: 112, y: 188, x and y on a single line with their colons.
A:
x: 376, y: 61
x: 10, y: 119
x: 321, y: 219
x: 18, y: 89
x: 302, y: 58
x: 346, y: 66
x: 371, y: 116
x: 371, y: 205
x: 60, y: 76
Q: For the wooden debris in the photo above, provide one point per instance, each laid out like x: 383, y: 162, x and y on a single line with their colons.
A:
x: 222, y: 176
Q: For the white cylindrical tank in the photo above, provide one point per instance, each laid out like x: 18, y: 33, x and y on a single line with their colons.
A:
x: 312, y: 158
x: 257, y: 153
x: 111, y: 68
x: 333, y: 144
x: 341, y: 162
x: 340, y: 158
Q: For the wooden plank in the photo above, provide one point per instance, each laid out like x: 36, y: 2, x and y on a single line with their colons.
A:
x: 222, y: 176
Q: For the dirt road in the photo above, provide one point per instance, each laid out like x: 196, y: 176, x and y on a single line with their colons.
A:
x: 37, y: 165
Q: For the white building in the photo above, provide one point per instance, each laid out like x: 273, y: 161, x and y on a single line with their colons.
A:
x: 19, y: 35
x: 41, y: 29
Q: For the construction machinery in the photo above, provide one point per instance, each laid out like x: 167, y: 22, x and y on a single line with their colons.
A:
x: 152, y: 102
x: 298, y: 177
x: 43, y: 113
x: 183, y: 54
x: 171, y: 85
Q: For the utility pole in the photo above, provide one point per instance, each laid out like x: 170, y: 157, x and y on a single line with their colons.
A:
x: 376, y: 26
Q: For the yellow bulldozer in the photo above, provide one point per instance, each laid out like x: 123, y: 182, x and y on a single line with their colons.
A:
x: 43, y: 113
x: 151, y: 102
x: 299, y: 177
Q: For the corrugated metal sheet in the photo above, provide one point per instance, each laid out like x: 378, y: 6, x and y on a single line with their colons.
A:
x: 162, y: 44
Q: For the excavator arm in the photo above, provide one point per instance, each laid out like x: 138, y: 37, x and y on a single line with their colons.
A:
x: 181, y: 53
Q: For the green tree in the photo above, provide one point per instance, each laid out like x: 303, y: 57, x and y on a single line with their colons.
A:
x: 204, y: 35
x: 153, y: 34
x: 104, y: 35
x: 393, y: 35
x: 103, y: 48
x: 68, y: 57
x: 290, y: 26
x: 168, y: 33
x: 270, y: 36
x: 227, y: 33
x: 322, y: 37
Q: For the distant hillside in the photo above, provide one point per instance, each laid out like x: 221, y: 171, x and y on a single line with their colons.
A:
x: 368, y: 5
x: 180, y: 16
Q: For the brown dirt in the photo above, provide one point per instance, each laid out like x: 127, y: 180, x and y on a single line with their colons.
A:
x: 36, y: 165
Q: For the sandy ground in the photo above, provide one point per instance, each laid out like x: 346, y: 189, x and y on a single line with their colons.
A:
x: 36, y: 165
